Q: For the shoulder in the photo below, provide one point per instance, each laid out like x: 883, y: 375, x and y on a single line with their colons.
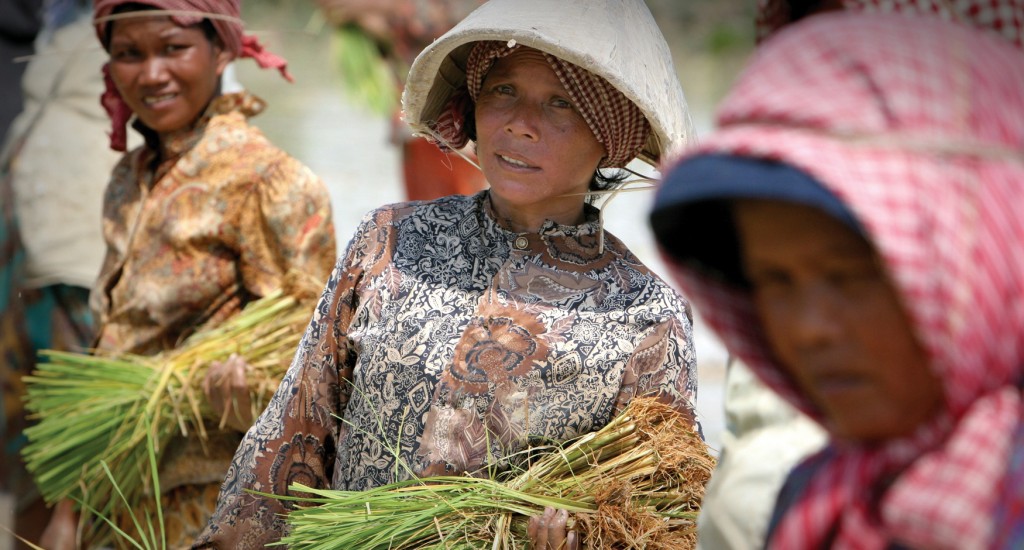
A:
x: 442, y: 211
x: 125, y: 174
x: 235, y: 153
x: 633, y: 273
x: 795, y: 488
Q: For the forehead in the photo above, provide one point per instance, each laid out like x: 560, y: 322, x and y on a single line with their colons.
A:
x: 147, y: 25
x: 775, y: 230
x: 523, y: 60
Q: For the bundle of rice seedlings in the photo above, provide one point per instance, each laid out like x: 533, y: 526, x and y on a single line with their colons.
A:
x: 98, y: 411
x: 365, y: 71
x: 636, y: 483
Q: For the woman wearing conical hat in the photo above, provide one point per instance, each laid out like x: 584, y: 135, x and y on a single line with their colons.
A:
x: 454, y: 332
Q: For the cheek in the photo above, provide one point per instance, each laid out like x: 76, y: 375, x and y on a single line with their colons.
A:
x: 122, y: 74
x: 484, y: 121
x: 775, y: 316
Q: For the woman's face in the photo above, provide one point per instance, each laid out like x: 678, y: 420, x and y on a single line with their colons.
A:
x: 167, y: 74
x: 533, y: 145
x: 834, y: 321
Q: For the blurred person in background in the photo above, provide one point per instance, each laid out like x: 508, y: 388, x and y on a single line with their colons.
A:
x: 203, y: 218
x: 402, y: 29
x: 765, y: 437
x: 462, y: 329
x: 20, y: 22
x: 52, y: 245
x: 868, y: 266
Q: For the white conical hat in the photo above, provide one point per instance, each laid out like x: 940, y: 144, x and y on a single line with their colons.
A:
x: 615, y: 39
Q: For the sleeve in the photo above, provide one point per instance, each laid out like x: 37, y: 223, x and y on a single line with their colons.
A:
x: 295, y: 439
x: 285, y: 223
x: 664, y: 364
x: 117, y: 197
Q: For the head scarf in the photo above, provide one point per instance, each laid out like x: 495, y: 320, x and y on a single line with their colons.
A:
x: 1001, y: 17
x: 227, y: 23
x: 616, y: 122
x: 915, y: 125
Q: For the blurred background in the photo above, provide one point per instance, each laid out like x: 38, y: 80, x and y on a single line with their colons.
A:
x: 317, y: 119
x: 350, y: 147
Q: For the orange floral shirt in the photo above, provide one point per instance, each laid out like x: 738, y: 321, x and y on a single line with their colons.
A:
x: 192, y: 237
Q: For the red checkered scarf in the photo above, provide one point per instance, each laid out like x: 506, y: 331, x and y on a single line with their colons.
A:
x: 229, y: 30
x: 916, y: 126
x: 616, y: 122
x: 1003, y: 17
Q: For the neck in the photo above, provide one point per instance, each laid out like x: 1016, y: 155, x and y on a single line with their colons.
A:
x: 529, y: 219
x: 163, y: 138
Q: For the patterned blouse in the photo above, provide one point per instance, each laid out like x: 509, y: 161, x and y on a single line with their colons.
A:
x: 192, y: 237
x: 444, y: 343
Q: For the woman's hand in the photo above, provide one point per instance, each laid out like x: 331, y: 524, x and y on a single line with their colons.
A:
x: 548, y: 531
x: 228, y: 393
x: 62, y: 530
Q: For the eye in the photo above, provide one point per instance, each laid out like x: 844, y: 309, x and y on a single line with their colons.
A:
x: 503, y: 89
x: 854, y: 278
x: 124, y: 54
x: 562, y: 103
x: 769, y: 281
x: 176, y: 48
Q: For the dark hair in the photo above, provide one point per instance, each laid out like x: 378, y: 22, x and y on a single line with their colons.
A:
x: 209, y: 31
x: 604, y: 179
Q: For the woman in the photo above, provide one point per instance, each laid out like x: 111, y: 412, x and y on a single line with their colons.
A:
x: 869, y: 269
x: 454, y: 333
x: 204, y: 218
x: 730, y: 516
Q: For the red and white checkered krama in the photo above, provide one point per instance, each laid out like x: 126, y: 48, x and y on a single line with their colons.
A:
x: 616, y: 122
x: 229, y: 30
x: 1002, y: 17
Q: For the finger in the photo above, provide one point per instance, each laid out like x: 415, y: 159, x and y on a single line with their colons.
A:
x: 238, y: 375
x: 556, y: 529
x: 542, y: 528
x: 531, y: 529
x: 572, y: 541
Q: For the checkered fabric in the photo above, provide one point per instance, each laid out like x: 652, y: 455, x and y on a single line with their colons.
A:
x: 916, y: 124
x: 229, y: 30
x: 616, y: 122
x: 1002, y: 17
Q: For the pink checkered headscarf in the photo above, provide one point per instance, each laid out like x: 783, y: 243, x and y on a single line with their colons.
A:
x: 616, y: 122
x: 225, y: 15
x: 915, y: 124
x: 1002, y: 17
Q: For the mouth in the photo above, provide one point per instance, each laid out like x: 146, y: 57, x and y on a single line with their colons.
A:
x: 837, y: 384
x: 151, y: 100
x: 515, y: 163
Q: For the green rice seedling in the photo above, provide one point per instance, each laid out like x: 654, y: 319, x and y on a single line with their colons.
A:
x: 94, y: 414
x: 636, y: 483
x: 365, y: 71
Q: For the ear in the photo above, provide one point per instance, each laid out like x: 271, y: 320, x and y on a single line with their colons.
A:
x: 223, y: 58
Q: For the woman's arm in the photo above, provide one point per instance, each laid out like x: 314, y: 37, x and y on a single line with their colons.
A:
x: 664, y: 364
x: 295, y: 439
x: 285, y: 225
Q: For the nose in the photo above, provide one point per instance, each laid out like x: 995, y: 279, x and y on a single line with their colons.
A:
x: 154, y: 71
x: 815, y: 316
x: 523, y: 121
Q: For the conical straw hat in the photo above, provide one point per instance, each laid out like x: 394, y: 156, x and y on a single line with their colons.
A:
x: 615, y: 39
